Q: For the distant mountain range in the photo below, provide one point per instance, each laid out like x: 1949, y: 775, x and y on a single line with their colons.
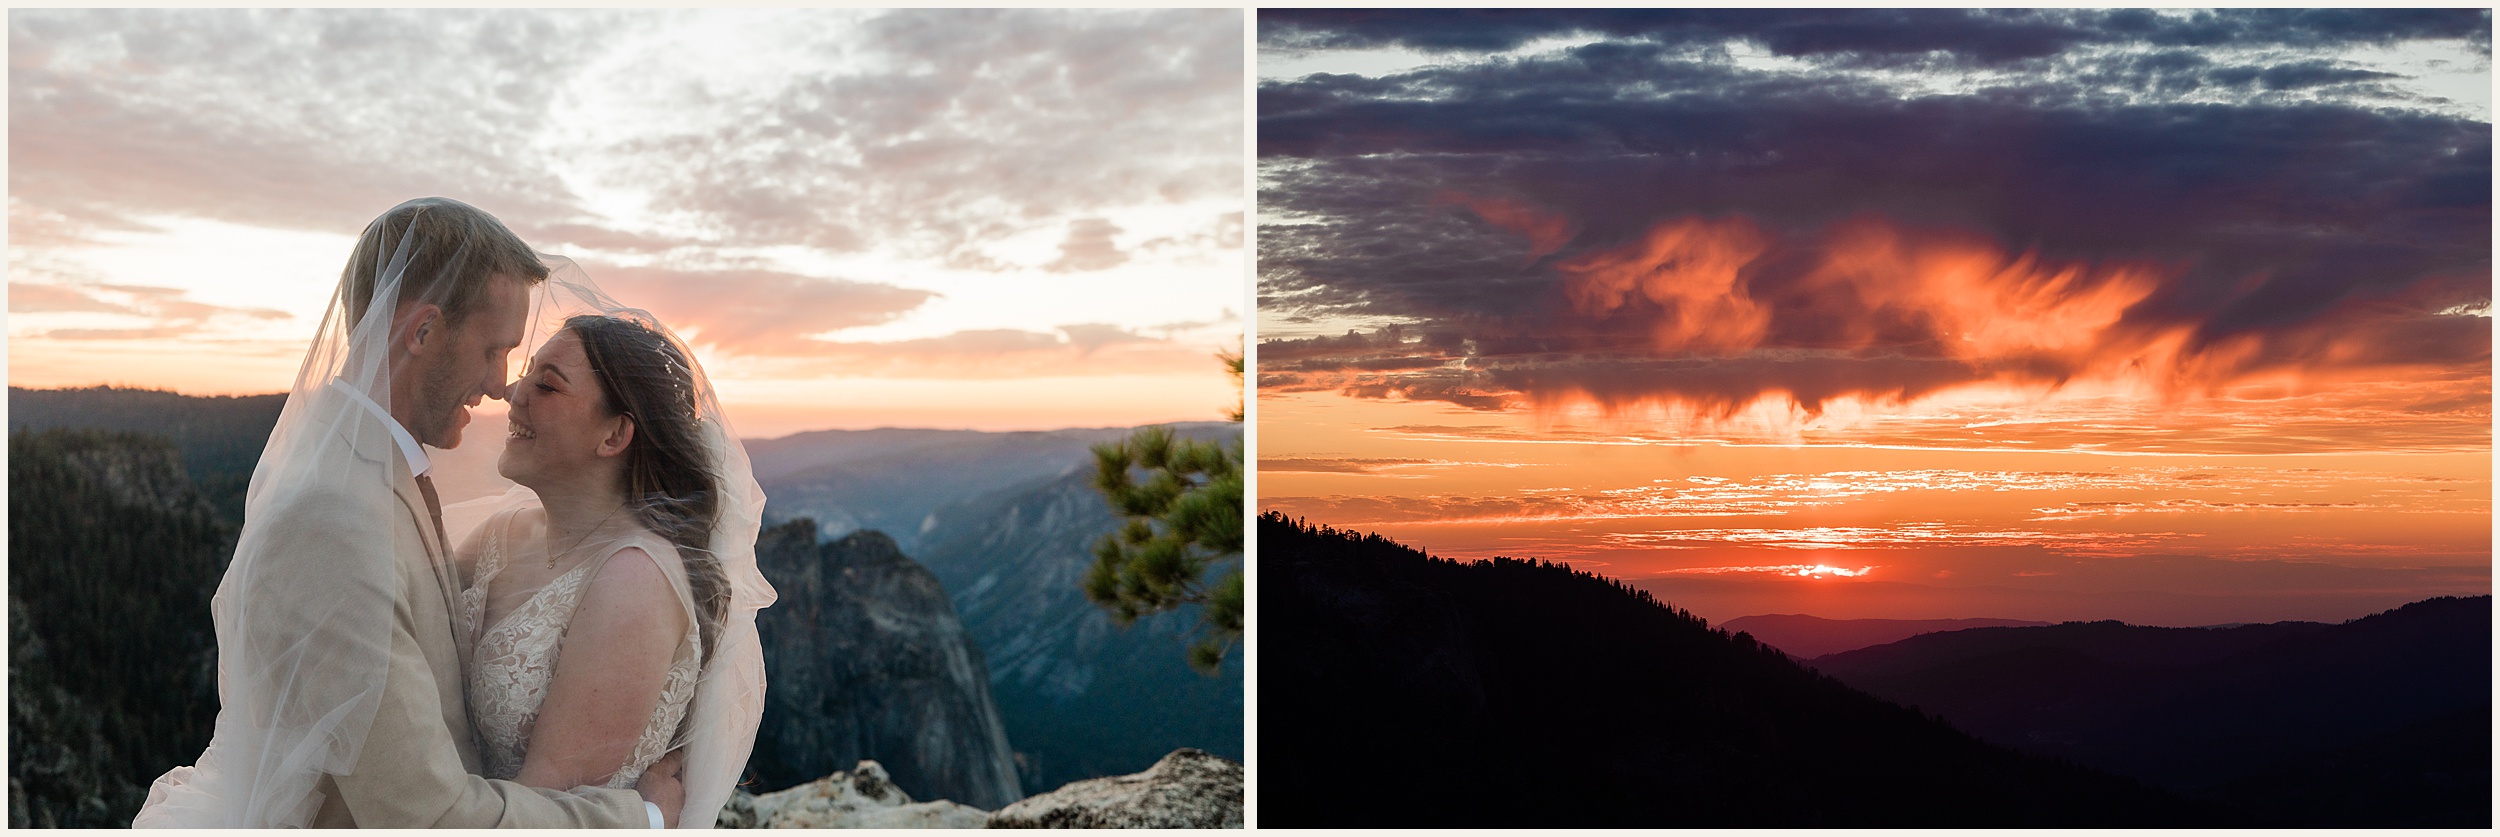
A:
x: 2233, y: 714
x: 1402, y: 690
x: 1007, y: 522
x: 1807, y: 637
x: 1082, y: 697
x: 890, y: 479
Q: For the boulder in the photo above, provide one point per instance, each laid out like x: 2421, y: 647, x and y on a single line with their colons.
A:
x: 864, y: 797
x: 1190, y: 788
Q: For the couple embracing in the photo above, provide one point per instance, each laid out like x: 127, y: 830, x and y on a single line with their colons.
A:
x: 579, y: 651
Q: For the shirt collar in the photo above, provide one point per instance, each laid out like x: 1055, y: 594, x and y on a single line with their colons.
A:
x: 418, y: 463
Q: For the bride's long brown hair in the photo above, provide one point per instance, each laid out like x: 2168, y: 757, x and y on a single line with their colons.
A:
x: 671, y: 484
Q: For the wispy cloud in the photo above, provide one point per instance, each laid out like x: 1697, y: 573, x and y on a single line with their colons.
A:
x: 1365, y: 465
x: 759, y: 311
x: 167, y: 312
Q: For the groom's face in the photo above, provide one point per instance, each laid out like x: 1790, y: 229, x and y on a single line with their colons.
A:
x: 472, y: 364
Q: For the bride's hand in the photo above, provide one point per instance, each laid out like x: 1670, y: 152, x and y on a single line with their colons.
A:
x: 663, y: 786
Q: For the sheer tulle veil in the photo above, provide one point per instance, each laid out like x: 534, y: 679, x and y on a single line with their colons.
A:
x: 304, y: 614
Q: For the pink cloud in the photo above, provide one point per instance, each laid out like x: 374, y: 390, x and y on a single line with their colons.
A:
x: 757, y: 312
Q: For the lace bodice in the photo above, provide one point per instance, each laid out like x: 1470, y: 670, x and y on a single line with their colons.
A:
x: 515, y: 658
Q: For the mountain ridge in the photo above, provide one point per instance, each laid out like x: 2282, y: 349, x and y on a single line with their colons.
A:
x: 1807, y: 637
x: 2201, y: 710
x: 1425, y: 692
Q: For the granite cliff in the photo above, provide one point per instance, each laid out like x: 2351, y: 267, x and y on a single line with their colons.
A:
x: 868, y: 661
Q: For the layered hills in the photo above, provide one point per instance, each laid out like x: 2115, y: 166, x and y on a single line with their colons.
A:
x: 2395, y: 700
x: 1082, y: 697
x: 891, y: 479
x: 1006, y: 522
x: 1414, y: 691
x: 1807, y: 637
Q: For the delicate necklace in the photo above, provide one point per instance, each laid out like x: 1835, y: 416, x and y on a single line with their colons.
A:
x: 577, y: 542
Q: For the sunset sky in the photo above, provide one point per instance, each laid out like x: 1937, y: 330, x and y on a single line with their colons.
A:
x: 2172, y: 317
x: 974, y: 219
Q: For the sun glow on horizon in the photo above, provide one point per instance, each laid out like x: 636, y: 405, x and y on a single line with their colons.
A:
x: 1791, y: 570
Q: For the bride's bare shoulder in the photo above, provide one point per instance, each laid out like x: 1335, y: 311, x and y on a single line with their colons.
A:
x: 645, y: 575
x: 633, y: 585
x: 656, y: 551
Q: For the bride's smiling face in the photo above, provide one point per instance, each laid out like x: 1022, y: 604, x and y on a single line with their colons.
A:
x: 562, y: 426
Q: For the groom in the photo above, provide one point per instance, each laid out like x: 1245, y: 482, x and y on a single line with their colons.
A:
x: 419, y: 761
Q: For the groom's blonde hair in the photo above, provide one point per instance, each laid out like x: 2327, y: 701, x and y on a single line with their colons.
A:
x: 446, y: 238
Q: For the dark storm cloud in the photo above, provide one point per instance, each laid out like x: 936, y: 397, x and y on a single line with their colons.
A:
x: 1782, y: 231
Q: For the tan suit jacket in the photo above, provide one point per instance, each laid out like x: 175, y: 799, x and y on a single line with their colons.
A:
x: 418, y: 767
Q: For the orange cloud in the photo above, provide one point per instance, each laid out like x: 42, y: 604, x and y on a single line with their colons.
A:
x: 1685, y: 277
x: 170, y: 314
x: 1546, y: 232
x: 1973, y: 298
x: 1708, y: 320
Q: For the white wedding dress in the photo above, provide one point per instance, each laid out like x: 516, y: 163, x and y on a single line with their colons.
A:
x: 515, y: 657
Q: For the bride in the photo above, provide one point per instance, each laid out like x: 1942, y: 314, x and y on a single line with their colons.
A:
x: 600, y: 589
x: 595, y: 602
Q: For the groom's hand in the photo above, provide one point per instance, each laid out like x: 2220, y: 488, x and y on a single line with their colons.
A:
x: 664, y: 785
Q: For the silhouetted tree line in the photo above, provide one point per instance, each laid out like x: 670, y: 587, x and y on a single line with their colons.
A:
x: 1416, y: 691
x: 113, y: 557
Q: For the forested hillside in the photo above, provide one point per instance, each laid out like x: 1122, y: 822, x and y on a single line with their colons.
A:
x: 112, y: 559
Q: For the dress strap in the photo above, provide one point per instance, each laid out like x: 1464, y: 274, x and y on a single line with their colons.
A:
x: 496, y: 547
x: 663, y: 555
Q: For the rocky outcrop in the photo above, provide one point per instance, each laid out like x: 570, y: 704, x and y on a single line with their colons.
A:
x: 864, y: 797
x: 1187, y: 789
x: 868, y: 661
